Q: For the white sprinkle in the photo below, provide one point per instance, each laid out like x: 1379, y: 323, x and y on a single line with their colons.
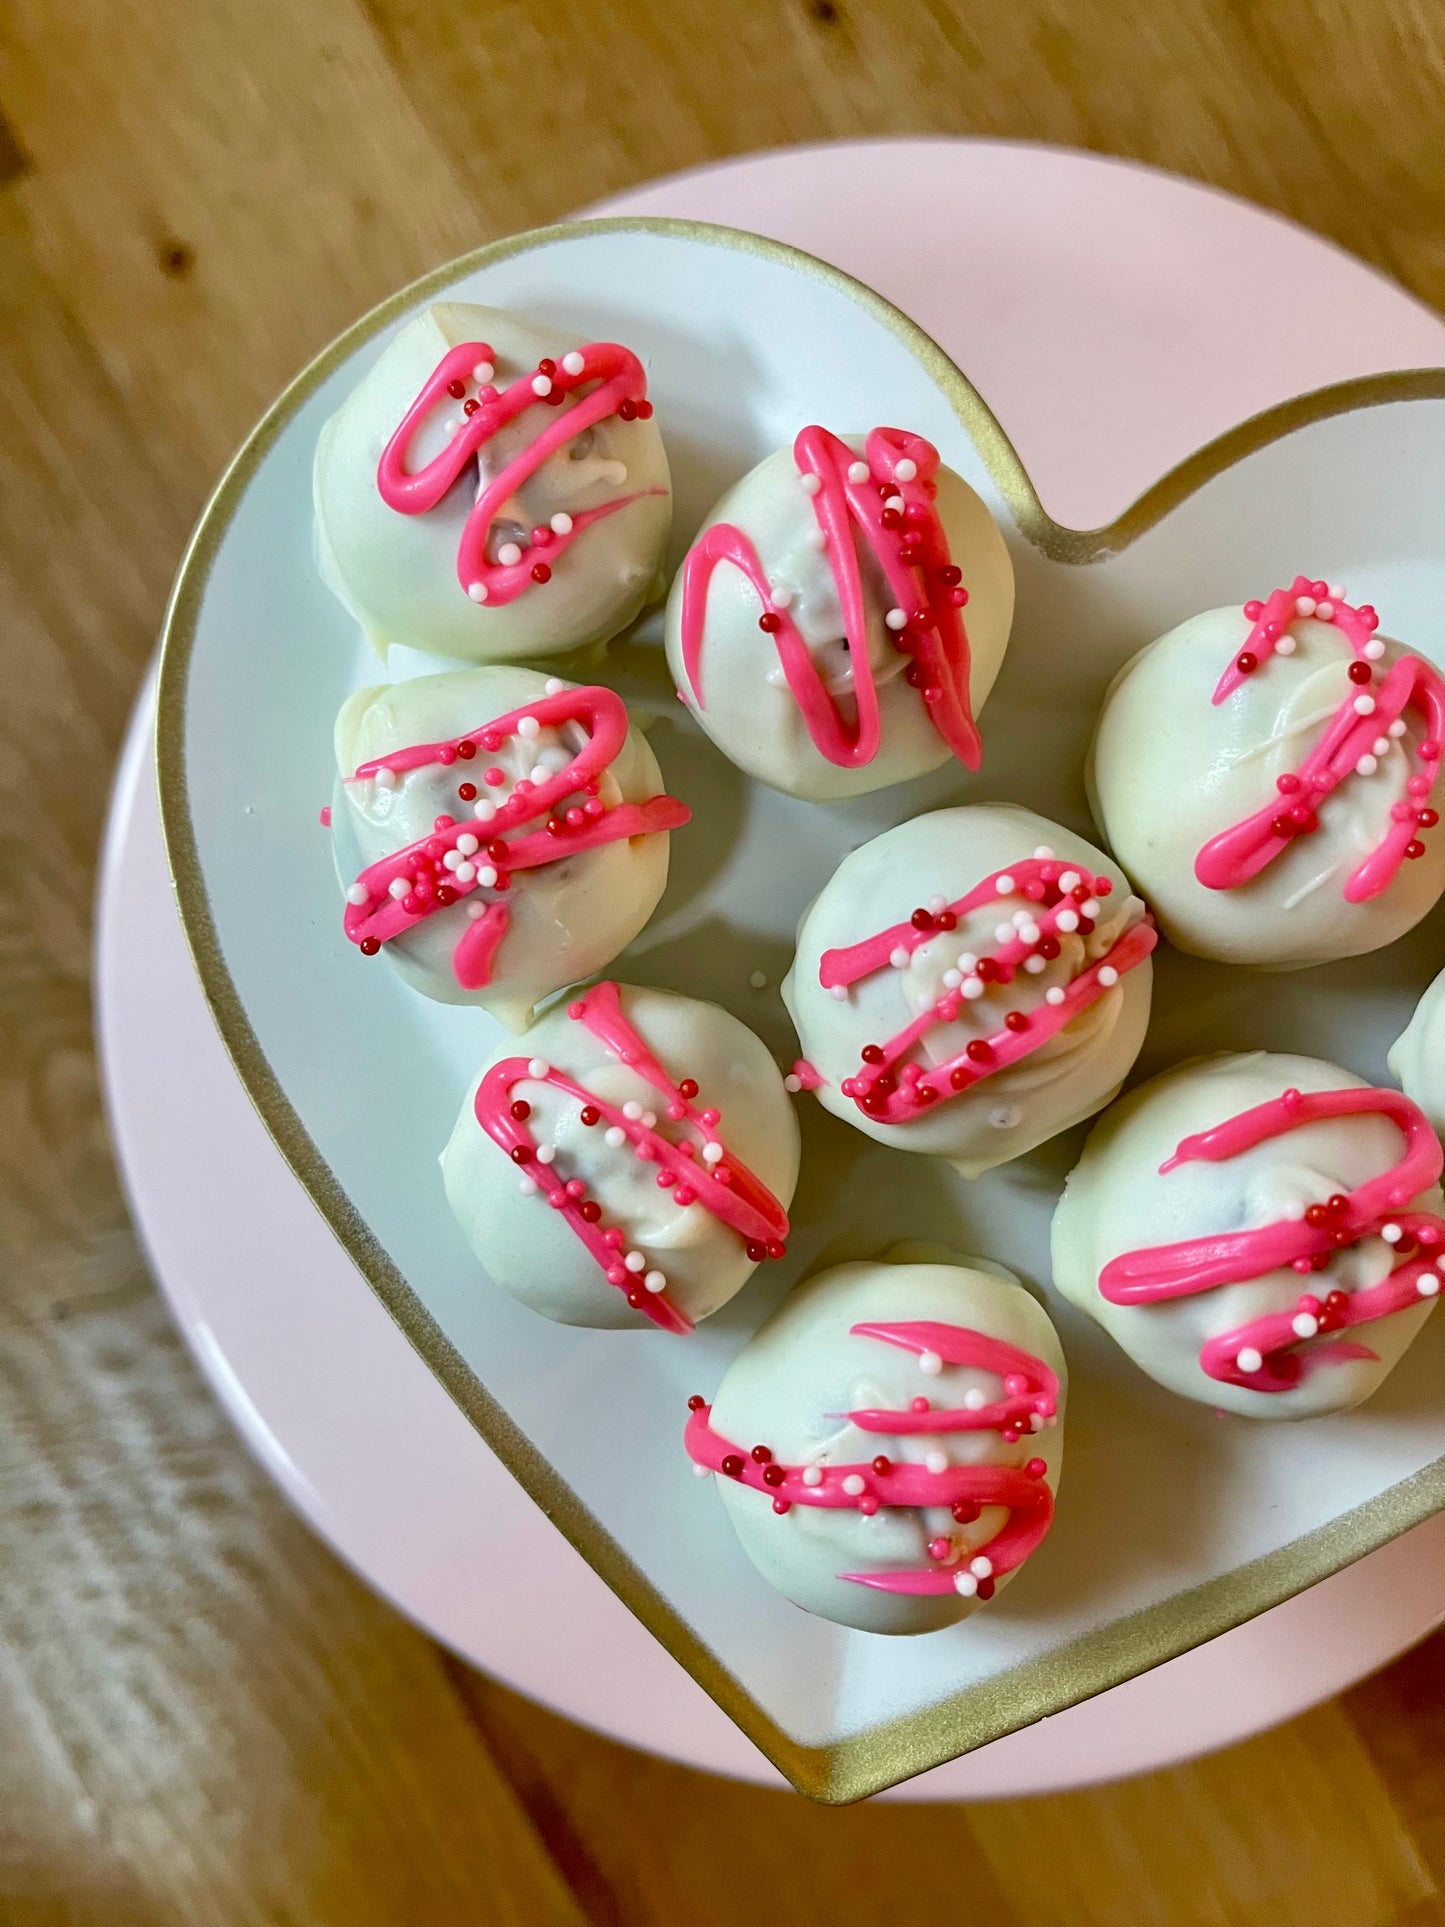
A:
x: 615, y: 1136
x: 635, y: 1261
x: 792, y: 1084
x: 561, y: 525
x: 1304, y: 1325
x: 1036, y: 1421
x: 896, y: 503
x: 895, y: 619
x: 1070, y: 880
x: 486, y: 876
x: 758, y: 980
x: 974, y: 1400
x: 546, y: 1153
x: 930, y: 1364
x: 1091, y: 906
x: 649, y: 1120
x: 1304, y: 605
x: 812, y: 1475
x: 529, y: 727
x: 701, y: 1472
x: 1325, y: 611
x: 712, y: 1152
x: 1249, y: 1360
x: 538, y: 1067
x: 1391, y: 1233
x: 483, y: 372
x: 451, y: 859
x: 1380, y: 746
x: 1004, y: 885
x: 541, y: 774
x: 782, y: 596
x: 816, y: 538
x: 1067, y: 921
x: 857, y: 471
x: 1373, y: 650
x: 839, y: 993
x: 397, y: 888
x: 1003, y: 933
x: 1108, y: 976
x: 936, y: 1462
x: 632, y: 1109
x: 1367, y: 765
x: 937, y: 903
x: 898, y: 958
x: 466, y: 872
x: 1035, y: 966
x: 1029, y: 931
x: 1396, y: 729
x: 982, y: 1567
x: 509, y: 555
x: 1043, y: 851
x: 386, y: 779
x: 1337, y: 591
x: 467, y: 844
x: 965, y: 1583
x: 1428, y: 1284
x: 906, y: 470
x: 475, y: 910
x: 541, y: 384
x: 810, y: 484
x: 358, y: 894
x: 527, y: 1187
x: 1294, y: 1210
x: 484, y: 810
x: 952, y: 979
x: 972, y: 987
x: 854, y: 1484
x: 1286, y: 645
x: 967, y: 962
x: 573, y: 363
x: 477, y: 591
x: 452, y: 427
x: 1053, y: 995
x: 655, y: 1281
x: 1364, y: 705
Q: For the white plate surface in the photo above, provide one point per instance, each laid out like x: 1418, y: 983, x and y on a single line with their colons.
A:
x: 993, y: 159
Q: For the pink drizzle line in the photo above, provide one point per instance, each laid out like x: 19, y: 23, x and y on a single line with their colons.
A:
x: 1165, y: 1272
x: 1236, y: 855
x: 583, y: 826
x: 728, y: 1190
x: 894, y: 1091
x: 620, y: 389
x: 911, y: 550
x: 1030, y: 1389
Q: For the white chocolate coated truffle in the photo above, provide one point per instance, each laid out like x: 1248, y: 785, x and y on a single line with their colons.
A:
x: 1080, y: 974
x: 681, y: 1250
x: 398, y: 572
x: 1170, y: 770
x: 955, y: 1511
x: 1274, y: 1345
x: 1417, y: 1057
x: 737, y: 685
x: 565, y: 917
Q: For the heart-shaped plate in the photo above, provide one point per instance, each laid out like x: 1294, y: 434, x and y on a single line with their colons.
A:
x: 1174, y: 1523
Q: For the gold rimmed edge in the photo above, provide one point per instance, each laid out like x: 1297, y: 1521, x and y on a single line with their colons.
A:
x: 881, y: 1756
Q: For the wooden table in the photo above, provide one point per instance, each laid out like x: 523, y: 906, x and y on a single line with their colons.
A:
x: 203, y: 1717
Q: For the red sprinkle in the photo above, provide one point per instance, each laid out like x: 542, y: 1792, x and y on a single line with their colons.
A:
x: 369, y: 946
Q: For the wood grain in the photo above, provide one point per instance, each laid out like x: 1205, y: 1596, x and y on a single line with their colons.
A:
x: 203, y: 1717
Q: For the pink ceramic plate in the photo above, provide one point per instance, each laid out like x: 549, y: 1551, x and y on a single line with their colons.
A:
x: 1018, y: 260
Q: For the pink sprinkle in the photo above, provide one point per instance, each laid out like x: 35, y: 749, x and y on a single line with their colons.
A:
x: 920, y: 1405
x: 711, y: 1117
x: 616, y: 1275
x: 575, y: 1188
x: 939, y: 1548
x: 682, y: 1195
x: 868, y: 1505
x: 593, y: 807
x: 576, y: 1011
x: 666, y: 1179
x: 576, y: 816
x: 326, y: 816
x: 613, y: 1236
x: 676, y: 1110
x: 494, y: 776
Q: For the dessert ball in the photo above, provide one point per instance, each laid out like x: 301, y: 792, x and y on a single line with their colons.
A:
x: 630, y: 1164
x: 888, y: 1445
x: 493, y: 489
x: 499, y: 834
x: 971, y: 983
x: 841, y: 617
x: 1265, y: 777
x: 1417, y: 1058
x: 1259, y: 1232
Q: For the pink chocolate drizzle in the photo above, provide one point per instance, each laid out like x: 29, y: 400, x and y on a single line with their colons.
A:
x: 1239, y: 854
x: 1165, y: 1272
x: 912, y: 552
x: 1030, y: 1389
x: 894, y: 1089
x: 561, y: 833
x: 726, y: 1189
x: 616, y: 384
